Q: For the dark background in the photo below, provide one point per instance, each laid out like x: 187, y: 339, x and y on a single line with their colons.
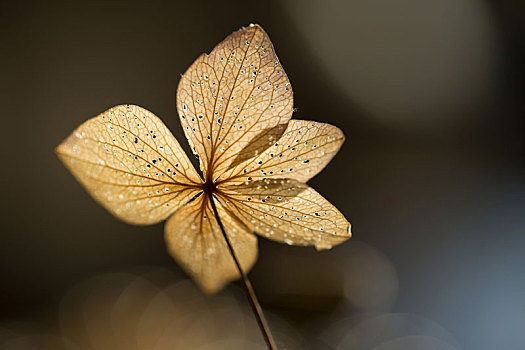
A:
x: 430, y: 95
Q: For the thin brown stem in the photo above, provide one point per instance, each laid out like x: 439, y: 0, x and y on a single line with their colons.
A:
x: 256, y: 307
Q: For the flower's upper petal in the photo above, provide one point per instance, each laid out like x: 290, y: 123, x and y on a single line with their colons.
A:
x: 287, y: 211
x: 130, y: 162
x: 195, y: 240
x: 234, y: 102
x: 303, y: 151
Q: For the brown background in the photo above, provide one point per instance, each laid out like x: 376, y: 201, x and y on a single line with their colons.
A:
x: 437, y: 189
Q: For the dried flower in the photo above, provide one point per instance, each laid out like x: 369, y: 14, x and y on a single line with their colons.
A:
x: 235, y: 106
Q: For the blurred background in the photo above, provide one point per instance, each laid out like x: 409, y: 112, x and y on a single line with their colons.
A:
x: 430, y: 95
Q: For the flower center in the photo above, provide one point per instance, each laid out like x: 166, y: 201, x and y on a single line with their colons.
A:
x: 209, y: 187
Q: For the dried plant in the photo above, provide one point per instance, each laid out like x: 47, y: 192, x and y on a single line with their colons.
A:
x: 235, y: 106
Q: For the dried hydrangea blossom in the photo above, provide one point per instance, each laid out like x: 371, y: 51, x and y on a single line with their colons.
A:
x: 235, y: 106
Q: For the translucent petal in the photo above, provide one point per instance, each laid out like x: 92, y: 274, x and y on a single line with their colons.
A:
x: 301, y: 153
x: 235, y: 95
x: 195, y: 240
x: 287, y: 211
x: 130, y: 162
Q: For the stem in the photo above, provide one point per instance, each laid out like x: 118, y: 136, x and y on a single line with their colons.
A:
x: 254, y: 303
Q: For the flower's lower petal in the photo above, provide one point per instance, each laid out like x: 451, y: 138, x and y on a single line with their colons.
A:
x: 287, y: 211
x: 196, y: 242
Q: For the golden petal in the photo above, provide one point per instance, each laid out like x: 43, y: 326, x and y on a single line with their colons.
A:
x: 301, y: 153
x: 286, y: 211
x: 129, y: 161
x: 231, y: 97
x: 196, y: 242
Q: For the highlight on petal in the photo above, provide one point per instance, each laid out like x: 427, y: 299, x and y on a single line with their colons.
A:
x: 231, y: 97
x: 196, y: 242
x: 301, y: 153
x: 287, y: 211
x: 129, y: 161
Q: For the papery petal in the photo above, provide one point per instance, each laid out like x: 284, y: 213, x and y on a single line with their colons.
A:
x: 304, y: 149
x: 129, y: 161
x: 233, y: 99
x: 196, y: 242
x: 287, y: 211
